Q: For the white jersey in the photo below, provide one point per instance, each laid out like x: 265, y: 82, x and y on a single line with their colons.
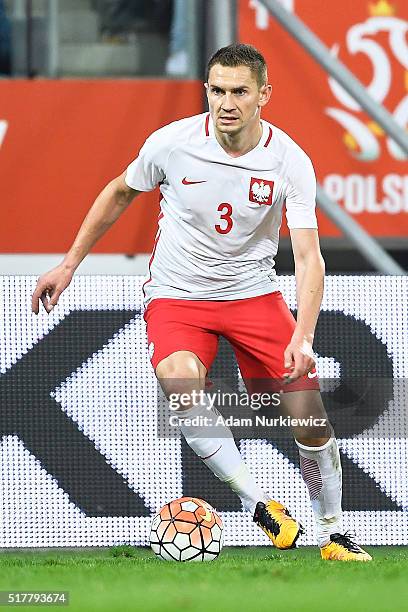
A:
x: 220, y: 215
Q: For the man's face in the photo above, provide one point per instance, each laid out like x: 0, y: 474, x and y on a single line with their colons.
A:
x: 234, y: 97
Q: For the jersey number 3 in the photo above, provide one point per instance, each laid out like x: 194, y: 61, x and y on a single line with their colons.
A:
x: 226, y: 210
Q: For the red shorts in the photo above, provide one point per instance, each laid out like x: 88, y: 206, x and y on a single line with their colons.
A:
x: 258, y: 329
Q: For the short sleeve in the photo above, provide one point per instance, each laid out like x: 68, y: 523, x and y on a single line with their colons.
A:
x: 301, y: 195
x: 146, y: 171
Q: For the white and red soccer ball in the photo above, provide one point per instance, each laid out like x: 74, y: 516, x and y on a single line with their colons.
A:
x: 187, y: 529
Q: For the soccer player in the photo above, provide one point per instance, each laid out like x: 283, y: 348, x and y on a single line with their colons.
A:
x: 224, y: 177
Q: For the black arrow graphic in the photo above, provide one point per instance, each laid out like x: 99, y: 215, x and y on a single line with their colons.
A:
x: 354, y: 406
x: 28, y: 411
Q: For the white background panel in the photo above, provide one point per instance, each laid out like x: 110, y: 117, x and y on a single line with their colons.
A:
x: 112, y: 400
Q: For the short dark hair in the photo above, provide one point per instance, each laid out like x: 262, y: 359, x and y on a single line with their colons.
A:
x: 239, y: 54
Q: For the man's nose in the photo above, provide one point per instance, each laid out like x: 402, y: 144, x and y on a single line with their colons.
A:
x: 228, y: 102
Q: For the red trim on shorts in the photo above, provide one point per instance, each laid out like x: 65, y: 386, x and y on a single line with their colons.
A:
x: 268, y: 140
x: 207, y: 125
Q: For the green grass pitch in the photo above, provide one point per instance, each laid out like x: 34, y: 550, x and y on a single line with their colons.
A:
x: 257, y: 579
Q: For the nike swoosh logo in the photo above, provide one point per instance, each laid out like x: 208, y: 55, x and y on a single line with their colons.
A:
x: 185, y: 181
x: 312, y: 374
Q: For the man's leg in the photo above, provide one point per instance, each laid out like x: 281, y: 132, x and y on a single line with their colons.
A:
x: 321, y: 470
x: 260, y: 329
x: 180, y: 373
x: 172, y: 326
x: 319, y: 460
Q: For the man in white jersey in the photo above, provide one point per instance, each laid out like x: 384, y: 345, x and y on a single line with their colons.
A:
x: 224, y: 177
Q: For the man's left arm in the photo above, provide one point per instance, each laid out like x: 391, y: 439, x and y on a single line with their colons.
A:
x: 309, y: 272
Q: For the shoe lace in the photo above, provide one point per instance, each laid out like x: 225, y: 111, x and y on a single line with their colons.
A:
x: 264, y: 519
x: 344, y: 539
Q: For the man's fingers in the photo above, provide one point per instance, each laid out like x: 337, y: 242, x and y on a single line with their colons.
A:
x: 298, y: 361
x: 44, y: 299
x: 37, y: 296
x: 49, y: 288
x: 309, y: 365
x: 54, y: 297
x: 289, y: 364
x: 49, y: 298
x: 288, y: 378
x: 38, y: 291
x: 35, y: 301
x: 297, y: 373
x: 288, y: 358
x: 300, y: 366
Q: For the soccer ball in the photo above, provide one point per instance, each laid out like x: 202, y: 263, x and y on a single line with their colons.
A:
x: 187, y: 529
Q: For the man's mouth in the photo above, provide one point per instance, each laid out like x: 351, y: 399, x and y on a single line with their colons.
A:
x: 228, y: 118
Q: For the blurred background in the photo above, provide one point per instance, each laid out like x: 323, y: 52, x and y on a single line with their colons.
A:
x: 84, y: 82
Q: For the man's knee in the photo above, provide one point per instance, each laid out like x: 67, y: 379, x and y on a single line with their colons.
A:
x: 181, y: 373
x: 180, y: 365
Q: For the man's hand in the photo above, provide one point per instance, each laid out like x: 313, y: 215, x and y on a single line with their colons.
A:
x: 299, y: 358
x: 50, y: 286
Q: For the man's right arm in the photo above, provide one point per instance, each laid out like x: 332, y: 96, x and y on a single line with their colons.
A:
x: 107, y: 208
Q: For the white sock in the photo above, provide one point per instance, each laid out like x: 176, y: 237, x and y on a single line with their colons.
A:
x: 214, y: 443
x: 321, y: 471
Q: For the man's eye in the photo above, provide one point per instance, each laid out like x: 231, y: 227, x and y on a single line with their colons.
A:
x: 240, y: 92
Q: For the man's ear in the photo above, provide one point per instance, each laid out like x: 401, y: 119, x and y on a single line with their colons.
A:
x: 265, y: 93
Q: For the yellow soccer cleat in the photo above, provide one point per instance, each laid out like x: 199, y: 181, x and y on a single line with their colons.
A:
x: 342, y: 548
x: 274, y: 519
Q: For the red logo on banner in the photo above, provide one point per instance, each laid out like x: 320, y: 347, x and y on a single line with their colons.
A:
x: 261, y: 191
x: 359, y: 166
